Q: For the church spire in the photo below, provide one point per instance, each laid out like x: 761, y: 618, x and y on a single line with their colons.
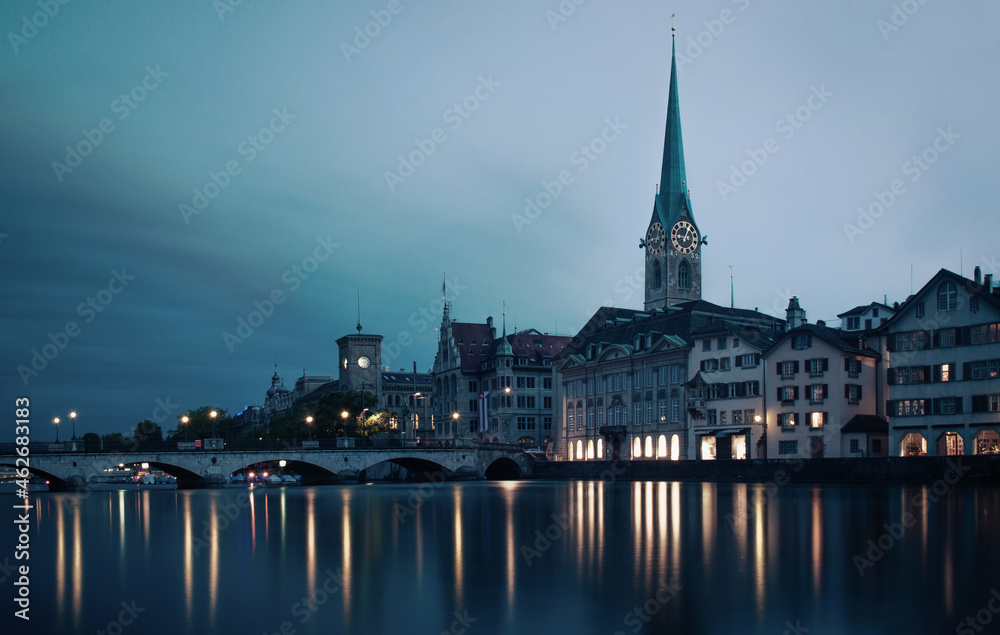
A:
x: 673, y: 196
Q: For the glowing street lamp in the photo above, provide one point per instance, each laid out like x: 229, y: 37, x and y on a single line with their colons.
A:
x: 72, y: 415
x: 184, y: 424
x: 212, y: 415
x: 309, y: 420
x: 56, y: 422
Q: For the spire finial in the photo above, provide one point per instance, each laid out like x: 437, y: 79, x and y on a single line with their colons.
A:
x: 672, y: 29
x: 359, y: 311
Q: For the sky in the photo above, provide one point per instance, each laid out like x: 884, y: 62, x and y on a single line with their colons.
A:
x: 192, y: 191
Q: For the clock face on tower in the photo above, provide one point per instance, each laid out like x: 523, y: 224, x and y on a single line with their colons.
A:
x: 684, y: 237
x: 364, y: 361
x: 655, y: 239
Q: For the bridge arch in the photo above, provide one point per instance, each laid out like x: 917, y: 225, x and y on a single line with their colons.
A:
x: 503, y: 468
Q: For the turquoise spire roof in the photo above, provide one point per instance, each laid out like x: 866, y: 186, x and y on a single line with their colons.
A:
x: 672, y: 197
x: 504, y: 348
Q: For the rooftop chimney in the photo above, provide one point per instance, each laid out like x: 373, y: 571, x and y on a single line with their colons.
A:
x: 988, y: 282
x: 795, y: 315
x: 977, y: 275
x: 493, y: 329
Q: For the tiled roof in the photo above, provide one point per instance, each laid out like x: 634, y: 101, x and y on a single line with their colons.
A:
x: 847, y: 342
x: 866, y: 423
x: 610, y: 325
x: 475, y: 344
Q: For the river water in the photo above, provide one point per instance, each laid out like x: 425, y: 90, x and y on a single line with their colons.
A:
x: 575, y: 557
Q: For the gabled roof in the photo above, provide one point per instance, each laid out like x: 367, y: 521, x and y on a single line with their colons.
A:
x: 846, y: 342
x: 974, y: 288
x: 860, y: 309
x: 866, y: 423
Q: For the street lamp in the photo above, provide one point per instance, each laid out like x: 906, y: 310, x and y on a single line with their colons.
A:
x: 454, y: 424
x: 212, y: 415
x: 72, y: 415
x: 309, y: 421
x: 184, y: 421
x: 56, y: 422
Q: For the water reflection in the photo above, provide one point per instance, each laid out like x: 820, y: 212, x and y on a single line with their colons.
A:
x: 746, y: 557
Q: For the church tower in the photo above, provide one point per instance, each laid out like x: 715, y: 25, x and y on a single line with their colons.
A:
x: 673, y: 242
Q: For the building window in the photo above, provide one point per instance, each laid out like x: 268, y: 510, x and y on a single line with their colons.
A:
x: 709, y: 365
x: 854, y: 446
x: 788, y: 447
x: 547, y: 423
x: 908, y: 407
x: 818, y: 366
x: 649, y: 412
x: 973, y: 304
x: 817, y: 393
x: 854, y: 323
x: 946, y: 338
x: 547, y: 402
x: 786, y: 420
x: 662, y: 410
x: 748, y: 361
x: 684, y: 275
x: 713, y: 418
x: 947, y: 297
x: 853, y: 367
x: 852, y: 392
x: 675, y: 374
x: 737, y: 417
x: 590, y: 417
x: 984, y: 333
x: 600, y: 417
x: 663, y: 377
x: 816, y: 419
x: 722, y: 343
x: 675, y: 410
x: 547, y: 383
x: 637, y: 416
x: 787, y: 370
x: 706, y: 345
x: 788, y: 394
x: 920, y: 309
x: 649, y: 378
x: 570, y: 420
x: 801, y: 341
x: 725, y: 363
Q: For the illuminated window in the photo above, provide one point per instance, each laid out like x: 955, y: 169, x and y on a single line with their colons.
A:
x: 579, y: 450
x: 636, y: 448
x: 708, y: 448
x: 649, y: 447
x: 600, y: 448
x: 675, y: 448
x: 590, y: 450
x: 661, y: 446
x: 817, y: 419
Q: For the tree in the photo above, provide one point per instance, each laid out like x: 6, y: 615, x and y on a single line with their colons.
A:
x: 113, y: 441
x: 147, y: 431
x: 92, y: 442
x: 199, y: 425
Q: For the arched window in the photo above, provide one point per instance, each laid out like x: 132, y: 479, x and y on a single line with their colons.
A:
x: 661, y: 446
x: 675, y: 448
x: 637, y: 448
x: 947, y: 297
x: 649, y: 446
x: 579, y: 450
x: 600, y: 448
x: 657, y: 275
x: 684, y: 275
x: 590, y: 449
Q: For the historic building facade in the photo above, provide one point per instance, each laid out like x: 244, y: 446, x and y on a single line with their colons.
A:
x: 407, y: 395
x: 819, y: 379
x: 726, y: 394
x: 491, y: 388
x: 942, y: 354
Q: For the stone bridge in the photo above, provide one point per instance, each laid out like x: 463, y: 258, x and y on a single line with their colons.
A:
x: 200, y: 468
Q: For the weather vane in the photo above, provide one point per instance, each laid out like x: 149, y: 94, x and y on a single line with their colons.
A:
x: 672, y: 29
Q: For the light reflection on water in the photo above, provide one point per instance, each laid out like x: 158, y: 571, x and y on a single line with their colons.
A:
x: 520, y: 557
